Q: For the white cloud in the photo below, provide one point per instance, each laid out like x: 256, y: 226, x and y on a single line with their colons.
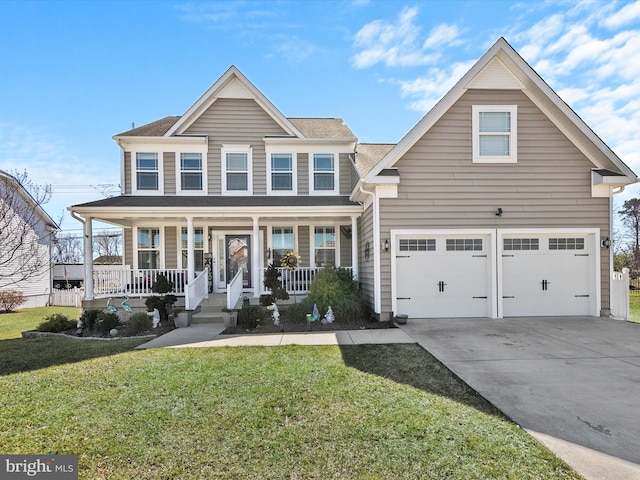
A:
x: 442, y: 35
x: 626, y: 15
x: 393, y: 44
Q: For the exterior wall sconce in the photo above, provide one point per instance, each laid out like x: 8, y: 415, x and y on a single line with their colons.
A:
x: 385, y: 245
x: 606, y: 242
x: 499, y: 212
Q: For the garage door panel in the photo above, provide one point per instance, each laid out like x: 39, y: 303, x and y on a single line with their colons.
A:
x: 441, y: 283
x: 545, y: 281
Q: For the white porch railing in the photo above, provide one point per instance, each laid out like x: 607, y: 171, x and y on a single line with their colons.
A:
x: 196, y: 291
x: 620, y: 294
x: 62, y: 297
x: 127, y: 281
x: 234, y: 289
x: 295, y: 281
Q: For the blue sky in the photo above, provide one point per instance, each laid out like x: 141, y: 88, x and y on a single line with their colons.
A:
x: 73, y: 74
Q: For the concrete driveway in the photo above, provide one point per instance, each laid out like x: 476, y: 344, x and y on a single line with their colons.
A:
x: 572, y: 382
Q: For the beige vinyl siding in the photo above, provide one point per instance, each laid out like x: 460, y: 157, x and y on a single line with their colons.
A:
x: 128, y: 246
x: 344, y: 165
x: 235, y: 121
x: 169, y: 171
x: 127, y: 173
x: 304, y: 242
x: 170, y: 238
x: 303, y: 174
x: 548, y: 187
x: 345, y: 248
x: 365, y: 228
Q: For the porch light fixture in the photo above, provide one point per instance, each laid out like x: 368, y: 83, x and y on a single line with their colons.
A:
x: 385, y: 245
x: 606, y: 242
x: 499, y: 212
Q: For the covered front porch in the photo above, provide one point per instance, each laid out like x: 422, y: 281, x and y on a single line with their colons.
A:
x: 204, y: 250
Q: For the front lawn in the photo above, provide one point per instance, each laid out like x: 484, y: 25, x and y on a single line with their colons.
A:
x: 634, y: 308
x: 14, y: 323
x: 383, y: 411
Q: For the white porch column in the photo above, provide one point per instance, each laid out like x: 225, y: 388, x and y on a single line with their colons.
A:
x: 88, y: 258
x: 255, y: 258
x: 191, y: 257
x: 354, y: 247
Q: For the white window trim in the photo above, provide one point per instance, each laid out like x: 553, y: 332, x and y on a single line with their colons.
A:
x: 223, y: 160
x: 312, y: 236
x: 294, y: 167
x: 270, y: 227
x: 179, y: 245
x: 513, y: 136
x: 336, y: 172
x: 205, y: 189
x: 160, y: 247
x: 134, y: 171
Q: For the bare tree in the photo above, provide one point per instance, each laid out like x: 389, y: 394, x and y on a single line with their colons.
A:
x: 630, y: 216
x: 25, y: 229
x: 67, y: 248
x: 107, y: 244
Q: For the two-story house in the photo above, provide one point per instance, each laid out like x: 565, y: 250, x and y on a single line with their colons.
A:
x: 497, y: 203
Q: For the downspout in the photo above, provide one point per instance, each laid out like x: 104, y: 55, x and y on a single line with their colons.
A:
x: 377, y: 301
x: 88, y: 255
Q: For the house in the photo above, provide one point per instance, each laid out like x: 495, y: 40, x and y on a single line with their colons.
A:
x: 497, y: 203
x: 26, y: 233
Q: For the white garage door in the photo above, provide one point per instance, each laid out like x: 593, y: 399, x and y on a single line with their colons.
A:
x: 546, y: 275
x: 443, y: 276
x: 509, y: 273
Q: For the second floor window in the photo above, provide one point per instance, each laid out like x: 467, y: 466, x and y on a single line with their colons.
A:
x: 236, y: 170
x: 191, y: 171
x: 146, y: 171
x: 282, y: 171
x: 323, y: 172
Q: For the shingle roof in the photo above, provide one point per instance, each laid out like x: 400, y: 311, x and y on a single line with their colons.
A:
x: 322, y: 127
x: 369, y: 154
x: 219, y: 201
x: 153, y: 129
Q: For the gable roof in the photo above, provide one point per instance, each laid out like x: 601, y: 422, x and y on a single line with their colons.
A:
x: 8, y: 178
x: 368, y: 155
x: 232, y: 84
x: 323, y: 128
x: 501, y: 60
x: 153, y: 129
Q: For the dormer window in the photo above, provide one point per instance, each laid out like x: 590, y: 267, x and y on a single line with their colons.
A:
x: 494, y: 133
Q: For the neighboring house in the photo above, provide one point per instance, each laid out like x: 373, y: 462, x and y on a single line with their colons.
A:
x: 497, y: 203
x: 26, y: 233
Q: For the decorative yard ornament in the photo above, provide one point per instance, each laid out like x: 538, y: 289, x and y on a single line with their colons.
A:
x: 316, y: 312
x: 329, y: 317
x: 113, y: 332
x: 274, y: 313
x: 156, y: 318
x: 290, y: 260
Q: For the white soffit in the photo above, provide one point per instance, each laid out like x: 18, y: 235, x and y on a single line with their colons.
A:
x: 496, y: 76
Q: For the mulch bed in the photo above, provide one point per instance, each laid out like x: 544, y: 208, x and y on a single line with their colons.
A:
x: 268, y: 327
x: 163, y: 328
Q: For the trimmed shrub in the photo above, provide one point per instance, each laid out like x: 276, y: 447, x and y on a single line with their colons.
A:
x: 10, y: 300
x: 332, y: 286
x: 106, y: 321
x: 296, y: 313
x: 249, y: 317
x: 139, y: 322
x: 56, y: 323
x: 89, y: 318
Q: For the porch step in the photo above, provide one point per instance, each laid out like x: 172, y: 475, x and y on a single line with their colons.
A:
x: 207, y: 317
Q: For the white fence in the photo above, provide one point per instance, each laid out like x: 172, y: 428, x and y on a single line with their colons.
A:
x: 620, y: 294
x: 296, y: 281
x: 125, y: 281
x: 66, y: 297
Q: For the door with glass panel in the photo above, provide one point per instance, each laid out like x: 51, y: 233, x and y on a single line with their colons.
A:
x: 238, y: 256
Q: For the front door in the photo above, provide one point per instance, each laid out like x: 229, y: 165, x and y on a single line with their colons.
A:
x: 238, y: 255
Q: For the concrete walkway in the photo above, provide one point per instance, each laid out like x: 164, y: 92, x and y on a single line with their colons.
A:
x: 209, y: 335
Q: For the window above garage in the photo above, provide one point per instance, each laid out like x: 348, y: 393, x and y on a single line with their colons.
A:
x: 494, y: 133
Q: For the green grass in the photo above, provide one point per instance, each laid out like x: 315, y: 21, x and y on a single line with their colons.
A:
x: 634, y: 308
x: 13, y: 324
x: 370, y: 412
